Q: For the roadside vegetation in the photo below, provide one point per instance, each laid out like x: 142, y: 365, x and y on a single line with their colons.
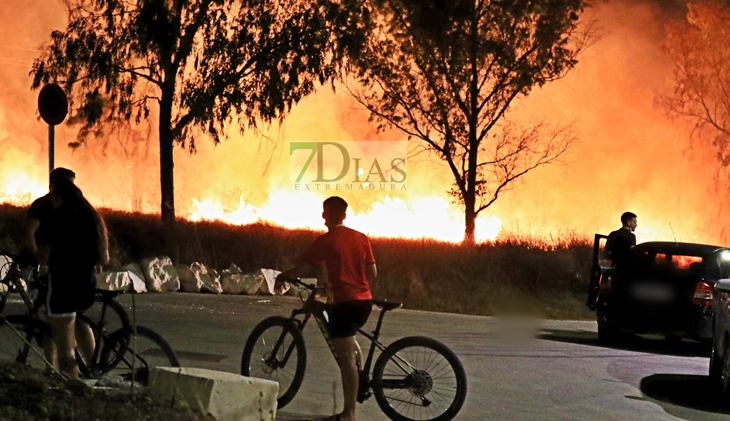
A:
x: 543, y: 277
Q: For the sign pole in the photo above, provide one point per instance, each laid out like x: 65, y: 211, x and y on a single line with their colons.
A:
x: 51, y: 143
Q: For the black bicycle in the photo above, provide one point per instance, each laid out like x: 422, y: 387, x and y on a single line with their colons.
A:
x: 414, y: 378
x: 120, y: 349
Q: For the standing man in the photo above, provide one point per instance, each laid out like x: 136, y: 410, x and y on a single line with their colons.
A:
x: 618, y: 249
x: 39, y: 232
x: 37, y: 239
x: 344, y: 258
x: 620, y: 242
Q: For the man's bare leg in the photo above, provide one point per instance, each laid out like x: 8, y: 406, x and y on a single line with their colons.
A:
x: 49, y: 349
x: 85, y: 340
x: 345, y: 349
x: 63, y: 335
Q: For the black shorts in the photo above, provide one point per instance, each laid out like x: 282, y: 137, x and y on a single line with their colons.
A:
x: 348, y: 316
x: 70, y: 291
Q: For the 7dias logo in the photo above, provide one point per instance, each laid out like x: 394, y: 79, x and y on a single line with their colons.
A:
x: 351, y: 165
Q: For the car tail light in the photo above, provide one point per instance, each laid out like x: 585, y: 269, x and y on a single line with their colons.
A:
x: 703, y: 295
x: 604, y: 287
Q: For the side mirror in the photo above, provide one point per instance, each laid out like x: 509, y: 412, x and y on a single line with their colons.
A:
x: 723, y: 285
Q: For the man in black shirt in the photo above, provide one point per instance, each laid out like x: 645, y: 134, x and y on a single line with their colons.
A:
x: 620, y: 242
x: 618, y: 249
x: 37, y: 221
x: 38, y: 233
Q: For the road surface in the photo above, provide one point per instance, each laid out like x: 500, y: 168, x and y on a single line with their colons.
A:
x: 517, y: 370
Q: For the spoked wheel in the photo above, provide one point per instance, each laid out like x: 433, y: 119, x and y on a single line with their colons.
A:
x: 115, y: 318
x: 418, y: 378
x: 22, y: 338
x: 275, y: 351
x: 132, y: 355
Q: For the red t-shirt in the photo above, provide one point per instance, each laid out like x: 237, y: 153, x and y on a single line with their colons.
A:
x: 345, y: 253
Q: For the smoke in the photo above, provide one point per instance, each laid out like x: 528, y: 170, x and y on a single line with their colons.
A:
x: 629, y: 156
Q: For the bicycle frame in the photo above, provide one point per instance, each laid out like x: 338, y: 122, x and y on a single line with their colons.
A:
x: 33, y: 306
x: 96, y: 328
x: 317, y: 309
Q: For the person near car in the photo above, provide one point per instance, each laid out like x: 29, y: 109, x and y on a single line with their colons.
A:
x: 344, y: 259
x: 79, y: 244
x: 620, y: 242
x: 618, y: 249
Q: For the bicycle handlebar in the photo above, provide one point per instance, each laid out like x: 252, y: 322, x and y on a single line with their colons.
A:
x: 298, y: 281
x: 23, y: 259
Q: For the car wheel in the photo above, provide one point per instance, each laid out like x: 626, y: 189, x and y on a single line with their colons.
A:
x: 607, y: 334
x: 725, y: 375
x: 715, y: 368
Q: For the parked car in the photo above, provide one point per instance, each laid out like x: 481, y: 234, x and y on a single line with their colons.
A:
x: 667, y: 288
x: 720, y: 355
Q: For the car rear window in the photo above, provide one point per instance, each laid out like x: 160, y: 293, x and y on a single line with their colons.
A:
x: 669, y: 264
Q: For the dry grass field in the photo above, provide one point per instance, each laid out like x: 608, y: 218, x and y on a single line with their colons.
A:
x: 541, y: 277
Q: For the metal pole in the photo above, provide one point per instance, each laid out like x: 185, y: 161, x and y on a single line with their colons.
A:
x: 51, y: 142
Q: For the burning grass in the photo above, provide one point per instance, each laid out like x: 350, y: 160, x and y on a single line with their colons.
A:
x: 543, y: 277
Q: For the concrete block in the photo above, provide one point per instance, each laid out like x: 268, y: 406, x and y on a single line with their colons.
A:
x: 226, y: 396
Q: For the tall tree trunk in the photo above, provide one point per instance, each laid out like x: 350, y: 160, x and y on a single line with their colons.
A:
x: 470, y: 222
x: 470, y: 200
x: 167, y: 188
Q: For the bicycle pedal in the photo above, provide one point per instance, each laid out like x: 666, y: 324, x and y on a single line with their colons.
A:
x: 362, y: 397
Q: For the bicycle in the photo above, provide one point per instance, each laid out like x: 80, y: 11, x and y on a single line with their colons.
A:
x: 127, y: 351
x: 400, y: 382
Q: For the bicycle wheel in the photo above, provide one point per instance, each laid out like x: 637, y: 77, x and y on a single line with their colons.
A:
x: 18, y: 348
x: 116, y: 316
x: 132, y: 356
x: 418, y: 378
x: 285, y: 365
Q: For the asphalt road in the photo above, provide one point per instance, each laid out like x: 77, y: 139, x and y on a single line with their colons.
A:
x: 517, y: 370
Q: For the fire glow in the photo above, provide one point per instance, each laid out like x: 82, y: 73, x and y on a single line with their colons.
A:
x: 630, y: 157
x: 426, y: 217
x: 20, y: 188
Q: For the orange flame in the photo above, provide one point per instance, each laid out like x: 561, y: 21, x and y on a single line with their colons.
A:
x: 425, y: 217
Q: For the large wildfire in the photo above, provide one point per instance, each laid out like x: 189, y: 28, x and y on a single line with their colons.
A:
x: 629, y: 155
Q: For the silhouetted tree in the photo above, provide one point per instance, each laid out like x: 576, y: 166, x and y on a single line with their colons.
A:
x: 700, y: 50
x: 202, y: 63
x: 446, y: 72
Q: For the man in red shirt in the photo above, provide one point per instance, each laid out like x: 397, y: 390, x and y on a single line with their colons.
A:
x: 344, y: 258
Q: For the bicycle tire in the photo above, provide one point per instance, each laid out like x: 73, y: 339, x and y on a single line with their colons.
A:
x: 14, y: 348
x: 259, y: 346
x: 116, y: 318
x: 135, y: 356
x: 425, y: 386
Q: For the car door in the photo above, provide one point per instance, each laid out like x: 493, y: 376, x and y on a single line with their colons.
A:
x: 599, y: 241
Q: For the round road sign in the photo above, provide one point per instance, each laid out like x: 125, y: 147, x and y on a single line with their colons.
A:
x: 52, y: 104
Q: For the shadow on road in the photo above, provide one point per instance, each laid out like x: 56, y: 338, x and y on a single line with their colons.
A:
x: 676, y: 392
x: 288, y: 416
x: 628, y: 343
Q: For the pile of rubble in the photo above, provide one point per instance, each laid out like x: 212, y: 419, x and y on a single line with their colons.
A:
x: 160, y: 274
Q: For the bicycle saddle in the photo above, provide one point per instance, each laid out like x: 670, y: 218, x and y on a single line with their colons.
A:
x: 387, y: 305
x: 108, y: 294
